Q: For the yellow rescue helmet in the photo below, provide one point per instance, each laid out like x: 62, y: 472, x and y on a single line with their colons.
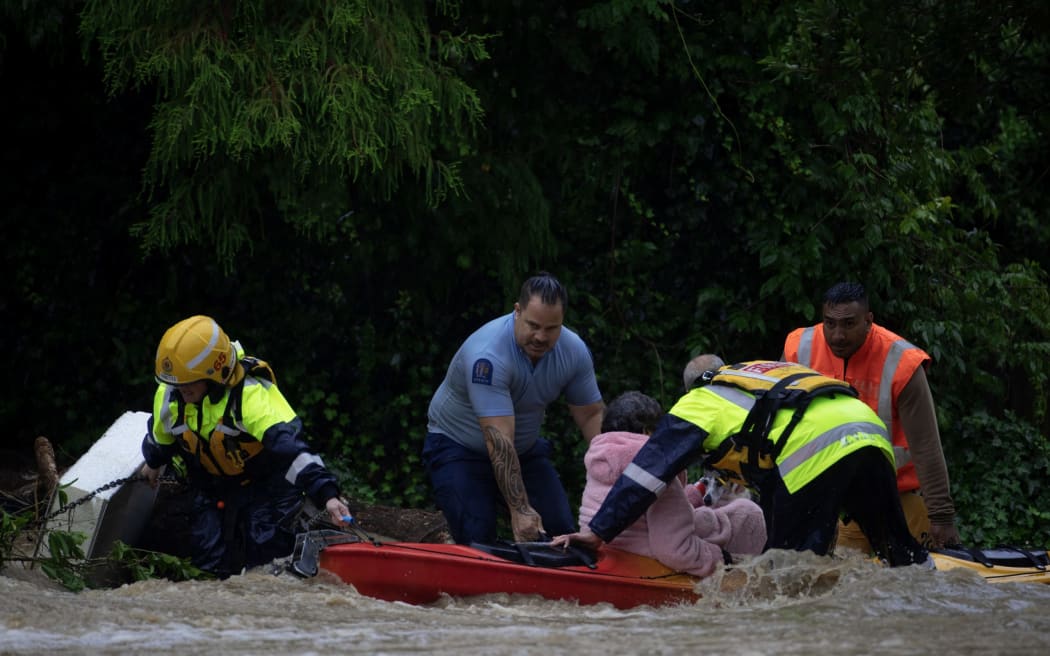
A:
x: 196, y: 349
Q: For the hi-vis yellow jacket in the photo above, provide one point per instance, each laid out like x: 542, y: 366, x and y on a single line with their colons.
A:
x: 831, y: 428
x: 219, y: 437
x: 236, y: 436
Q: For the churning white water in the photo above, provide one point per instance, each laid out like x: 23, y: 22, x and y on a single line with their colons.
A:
x: 791, y: 604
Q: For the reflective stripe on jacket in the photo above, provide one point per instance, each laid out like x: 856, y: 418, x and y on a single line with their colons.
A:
x: 222, y: 440
x: 879, y: 370
x: 831, y: 429
x: 265, y: 419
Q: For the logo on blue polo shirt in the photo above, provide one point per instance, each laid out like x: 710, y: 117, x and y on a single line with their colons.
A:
x: 482, y: 372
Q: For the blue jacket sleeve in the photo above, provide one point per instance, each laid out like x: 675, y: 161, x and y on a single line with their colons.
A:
x: 673, y: 446
x: 305, y: 469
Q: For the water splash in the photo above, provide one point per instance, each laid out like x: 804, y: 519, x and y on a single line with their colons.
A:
x: 780, y: 602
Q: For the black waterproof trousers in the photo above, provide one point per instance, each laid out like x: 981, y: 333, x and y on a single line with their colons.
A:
x: 863, y: 487
x: 242, y: 527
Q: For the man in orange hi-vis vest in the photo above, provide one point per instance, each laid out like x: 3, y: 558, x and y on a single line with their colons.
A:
x: 890, y: 375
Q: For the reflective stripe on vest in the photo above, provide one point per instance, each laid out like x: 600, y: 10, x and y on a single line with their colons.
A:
x: 232, y: 431
x: 166, y: 417
x: 889, y: 373
x: 734, y: 395
x: 226, y: 448
x: 843, y: 433
x: 805, y: 347
x: 886, y: 378
x: 812, y: 448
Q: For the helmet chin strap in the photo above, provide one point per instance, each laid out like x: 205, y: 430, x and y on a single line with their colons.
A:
x: 215, y: 391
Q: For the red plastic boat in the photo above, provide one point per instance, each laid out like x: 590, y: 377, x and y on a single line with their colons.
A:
x: 419, y: 573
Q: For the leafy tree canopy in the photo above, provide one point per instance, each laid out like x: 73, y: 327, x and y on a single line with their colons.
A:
x: 306, y: 111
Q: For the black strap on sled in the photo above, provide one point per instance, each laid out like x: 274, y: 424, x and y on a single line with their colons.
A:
x: 1003, y: 556
x: 539, y: 554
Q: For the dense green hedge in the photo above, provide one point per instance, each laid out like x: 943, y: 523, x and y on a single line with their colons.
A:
x: 1001, y: 480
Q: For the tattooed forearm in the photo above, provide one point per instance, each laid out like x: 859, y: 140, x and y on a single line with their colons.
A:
x: 507, y: 469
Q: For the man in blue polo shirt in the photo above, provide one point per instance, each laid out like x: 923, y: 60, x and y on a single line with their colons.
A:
x: 483, y: 449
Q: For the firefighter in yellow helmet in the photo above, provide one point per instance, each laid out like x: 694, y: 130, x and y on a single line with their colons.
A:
x: 243, y: 446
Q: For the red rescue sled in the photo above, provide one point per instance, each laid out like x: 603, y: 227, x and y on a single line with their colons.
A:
x: 419, y: 573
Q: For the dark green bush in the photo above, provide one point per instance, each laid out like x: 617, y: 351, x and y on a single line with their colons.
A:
x: 1001, y: 481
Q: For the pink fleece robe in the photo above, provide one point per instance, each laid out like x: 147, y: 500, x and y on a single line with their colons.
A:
x: 672, y: 531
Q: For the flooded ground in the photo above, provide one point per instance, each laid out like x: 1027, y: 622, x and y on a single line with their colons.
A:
x: 791, y: 604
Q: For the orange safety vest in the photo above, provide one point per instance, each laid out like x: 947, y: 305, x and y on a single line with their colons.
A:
x: 879, y: 370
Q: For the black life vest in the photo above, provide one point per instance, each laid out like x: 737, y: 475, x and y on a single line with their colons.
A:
x: 749, y: 455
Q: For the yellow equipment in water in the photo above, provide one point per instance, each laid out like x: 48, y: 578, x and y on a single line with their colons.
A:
x: 998, y: 565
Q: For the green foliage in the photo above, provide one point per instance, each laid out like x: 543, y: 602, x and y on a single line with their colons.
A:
x: 1001, y: 481
x: 697, y: 174
x: 10, y: 528
x: 271, y: 109
x: 141, y: 565
x: 65, y: 561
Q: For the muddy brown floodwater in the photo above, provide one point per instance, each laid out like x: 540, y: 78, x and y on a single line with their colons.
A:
x: 791, y: 604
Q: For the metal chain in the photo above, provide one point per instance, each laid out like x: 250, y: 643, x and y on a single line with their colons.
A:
x: 91, y: 495
x: 311, y: 521
x: 351, y: 528
x: 315, y: 519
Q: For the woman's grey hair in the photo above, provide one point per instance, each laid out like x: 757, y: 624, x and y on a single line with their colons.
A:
x: 632, y: 412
